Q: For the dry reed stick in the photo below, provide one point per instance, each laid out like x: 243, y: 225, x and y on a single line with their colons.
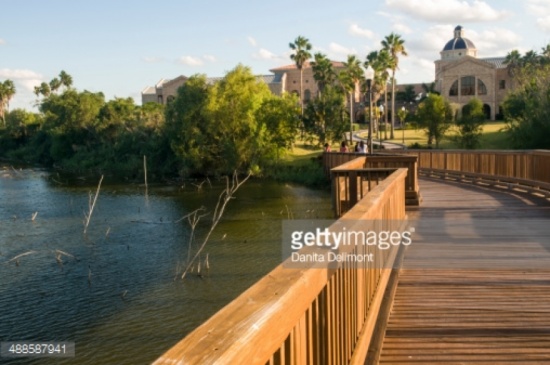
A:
x: 92, y: 206
x: 145, y: 172
x: 225, y: 196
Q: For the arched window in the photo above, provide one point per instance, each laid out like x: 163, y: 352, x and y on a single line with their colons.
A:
x: 454, y: 89
x: 467, y: 85
x: 307, y: 95
x: 481, y: 89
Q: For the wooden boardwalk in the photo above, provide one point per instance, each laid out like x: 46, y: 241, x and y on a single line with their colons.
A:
x: 478, y: 290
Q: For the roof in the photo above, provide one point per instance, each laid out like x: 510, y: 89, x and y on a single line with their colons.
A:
x: 307, y: 64
x: 149, y: 90
x: 497, y: 61
x: 459, y: 43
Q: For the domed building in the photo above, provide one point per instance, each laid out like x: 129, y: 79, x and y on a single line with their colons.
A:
x: 461, y: 76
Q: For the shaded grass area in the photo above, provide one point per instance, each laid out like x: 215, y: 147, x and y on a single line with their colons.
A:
x: 303, y: 165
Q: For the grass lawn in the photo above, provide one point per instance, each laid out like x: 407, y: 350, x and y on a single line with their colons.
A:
x: 493, y: 137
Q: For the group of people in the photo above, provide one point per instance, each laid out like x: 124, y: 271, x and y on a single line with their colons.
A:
x: 360, y: 147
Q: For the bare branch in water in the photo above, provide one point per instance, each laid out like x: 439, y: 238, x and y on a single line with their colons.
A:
x: 92, y: 205
x: 16, y: 258
x: 225, y: 196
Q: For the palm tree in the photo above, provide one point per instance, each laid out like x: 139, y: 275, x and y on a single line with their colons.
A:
x: 43, y: 89
x: 55, y: 84
x: 395, y: 46
x: 301, y: 46
x: 323, y: 72
x: 380, y: 62
x: 7, y: 91
x: 65, y: 79
x: 530, y: 58
x: 350, y: 77
x: 513, y: 62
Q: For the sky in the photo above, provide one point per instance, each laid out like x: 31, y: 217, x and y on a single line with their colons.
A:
x: 121, y: 47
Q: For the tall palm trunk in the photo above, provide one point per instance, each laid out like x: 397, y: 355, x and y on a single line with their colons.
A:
x: 392, y: 103
x: 386, y: 111
x: 351, y: 117
x: 302, y: 90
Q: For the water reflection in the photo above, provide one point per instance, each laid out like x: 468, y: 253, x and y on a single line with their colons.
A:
x: 117, y: 298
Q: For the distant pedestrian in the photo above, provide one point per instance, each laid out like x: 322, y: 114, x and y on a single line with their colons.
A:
x: 344, y: 147
x: 327, y: 147
x: 362, y: 147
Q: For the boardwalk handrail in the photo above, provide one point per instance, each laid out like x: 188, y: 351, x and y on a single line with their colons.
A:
x: 342, y: 160
x: 302, y: 316
x: 524, y: 169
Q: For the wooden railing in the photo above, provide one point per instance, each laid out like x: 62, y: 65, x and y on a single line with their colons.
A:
x: 309, y: 315
x: 331, y: 160
x: 529, y: 169
x: 351, y: 183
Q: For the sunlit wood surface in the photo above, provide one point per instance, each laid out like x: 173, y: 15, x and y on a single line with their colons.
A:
x: 488, y: 305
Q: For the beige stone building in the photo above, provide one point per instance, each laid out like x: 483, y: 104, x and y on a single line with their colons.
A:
x: 283, y: 79
x: 166, y: 90
x: 461, y: 76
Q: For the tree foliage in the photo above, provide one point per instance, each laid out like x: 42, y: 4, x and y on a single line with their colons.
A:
x: 435, y: 115
x: 325, y: 116
x: 470, y: 124
x: 236, y: 124
x: 7, y: 91
x: 527, y: 108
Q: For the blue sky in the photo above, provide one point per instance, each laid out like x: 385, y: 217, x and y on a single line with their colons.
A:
x: 120, y: 47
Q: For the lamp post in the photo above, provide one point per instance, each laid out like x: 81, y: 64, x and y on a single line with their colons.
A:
x: 403, y: 122
x: 369, y: 75
x: 381, y: 107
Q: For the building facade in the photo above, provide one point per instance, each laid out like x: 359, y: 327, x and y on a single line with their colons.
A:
x: 460, y: 75
x: 283, y: 79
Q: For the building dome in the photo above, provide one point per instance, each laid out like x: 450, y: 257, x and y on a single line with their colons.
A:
x: 458, y: 42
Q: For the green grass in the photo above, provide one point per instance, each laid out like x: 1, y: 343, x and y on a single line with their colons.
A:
x: 493, y: 137
x: 302, y: 164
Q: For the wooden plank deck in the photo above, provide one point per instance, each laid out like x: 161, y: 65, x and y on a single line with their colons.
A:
x: 480, y: 305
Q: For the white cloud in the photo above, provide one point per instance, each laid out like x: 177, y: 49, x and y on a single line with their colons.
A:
x: 495, y: 41
x: 190, y: 61
x: 415, y: 69
x: 452, y: 11
x: 544, y: 23
x: 356, y: 30
x: 152, y: 59
x: 24, y: 80
x: 19, y: 74
x: 264, y: 54
x: 340, y: 50
x: 209, y: 58
x: 541, y: 10
x: 252, y: 41
x: 401, y: 28
x: 2, y: 41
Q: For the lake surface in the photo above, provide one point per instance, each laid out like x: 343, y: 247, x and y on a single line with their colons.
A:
x: 113, y: 291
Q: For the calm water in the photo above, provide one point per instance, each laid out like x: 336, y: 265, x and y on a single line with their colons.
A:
x: 115, y: 296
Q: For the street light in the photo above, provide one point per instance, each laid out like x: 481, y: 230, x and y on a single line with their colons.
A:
x: 403, y: 123
x: 381, y: 107
x: 369, y: 75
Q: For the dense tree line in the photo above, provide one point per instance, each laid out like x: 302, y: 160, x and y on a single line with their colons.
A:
x: 235, y: 124
x: 527, y: 107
